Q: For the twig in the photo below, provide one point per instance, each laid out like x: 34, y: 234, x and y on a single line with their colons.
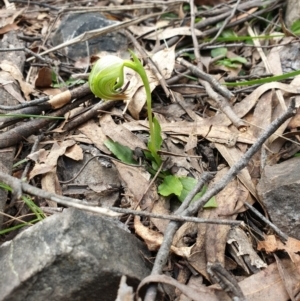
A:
x: 224, y: 24
x: 163, y: 252
x: 94, y: 111
x: 149, y: 62
x: 92, y: 158
x: 225, y: 279
x: 16, y: 134
x: 242, y: 163
x: 19, y: 187
x: 281, y: 234
x: 176, y: 218
x: 222, y: 103
x: 25, y: 104
x: 33, y: 149
x: 207, y: 77
x: 171, y: 229
x: 97, y: 33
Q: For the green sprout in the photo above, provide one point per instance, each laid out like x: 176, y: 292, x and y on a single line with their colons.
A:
x: 106, y: 81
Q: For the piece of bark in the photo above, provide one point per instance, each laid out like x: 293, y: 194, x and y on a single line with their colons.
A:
x: 18, y: 58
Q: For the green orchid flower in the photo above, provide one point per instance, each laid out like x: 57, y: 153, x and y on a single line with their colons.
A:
x: 106, y: 81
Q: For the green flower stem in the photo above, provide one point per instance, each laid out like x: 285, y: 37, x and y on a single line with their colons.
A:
x: 106, y: 81
x: 138, y: 68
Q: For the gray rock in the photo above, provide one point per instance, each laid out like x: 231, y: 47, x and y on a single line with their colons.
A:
x: 76, y: 24
x: 292, y: 12
x: 279, y: 189
x: 70, y: 256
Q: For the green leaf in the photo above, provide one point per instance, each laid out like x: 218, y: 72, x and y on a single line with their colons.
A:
x: 170, y: 185
x: 188, y: 184
x: 212, y: 203
x: 238, y: 59
x: 264, y: 80
x: 155, y: 141
x: 228, y: 33
x: 295, y: 28
x: 31, y: 116
x: 228, y: 63
x: 157, y: 134
x: 218, y: 52
x: 122, y: 152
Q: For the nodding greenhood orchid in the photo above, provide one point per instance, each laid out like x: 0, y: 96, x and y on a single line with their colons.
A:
x: 106, y: 81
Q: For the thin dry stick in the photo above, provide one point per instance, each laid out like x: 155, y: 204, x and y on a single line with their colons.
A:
x: 97, y: 33
x: 177, y: 218
x: 19, y: 187
x: 242, y: 163
x: 149, y: 62
x: 226, y: 280
x: 222, y: 103
x: 282, y: 235
x: 163, y: 252
x: 146, y: 190
x: 207, y: 77
x: 172, y: 227
x: 223, y: 26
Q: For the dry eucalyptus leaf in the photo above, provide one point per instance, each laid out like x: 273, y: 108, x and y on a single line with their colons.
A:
x: 74, y: 152
x: 44, y: 78
x: 245, y: 247
x: 94, y: 132
x: 165, y: 62
x: 17, y: 75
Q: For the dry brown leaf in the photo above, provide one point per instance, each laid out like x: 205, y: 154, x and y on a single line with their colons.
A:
x: 245, y: 247
x: 288, y: 278
x: 38, y: 156
x: 153, y: 239
x: 198, y: 293
x: 165, y: 62
x: 51, y: 183
x: 217, y: 134
x: 51, y: 91
x: 243, y: 107
x: 137, y: 180
x: 161, y: 206
x: 94, y: 132
x: 40, y: 169
x: 229, y: 202
x: 7, y: 28
x: 263, y: 286
x: 44, y: 78
x: 48, y: 168
x: 262, y: 115
x: 50, y: 180
x: 118, y: 133
x: 156, y: 33
x: 272, y: 244
x: 80, y: 138
x: 17, y: 75
x: 211, y: 239
x: 233, y: 155
x: 8, y: 85
x: 74, y: 152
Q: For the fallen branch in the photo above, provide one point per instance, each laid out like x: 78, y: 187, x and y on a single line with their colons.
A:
x: 162, y: 255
